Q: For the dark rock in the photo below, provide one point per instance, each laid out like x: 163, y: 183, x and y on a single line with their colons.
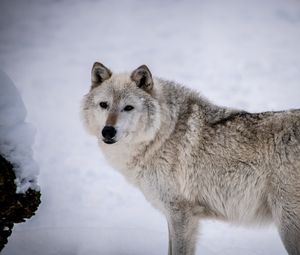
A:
x: 14, y: 207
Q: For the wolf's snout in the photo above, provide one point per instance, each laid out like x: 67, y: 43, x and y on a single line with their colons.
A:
x: 109, y: 132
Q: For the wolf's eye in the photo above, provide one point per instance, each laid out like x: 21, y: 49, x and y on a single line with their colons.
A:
x: 128, y: 108
x: 103, y: 105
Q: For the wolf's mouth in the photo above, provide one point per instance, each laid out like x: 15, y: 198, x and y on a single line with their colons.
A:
x: 109, y: 141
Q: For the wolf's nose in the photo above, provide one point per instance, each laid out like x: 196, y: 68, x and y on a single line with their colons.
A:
x: 109, y: 132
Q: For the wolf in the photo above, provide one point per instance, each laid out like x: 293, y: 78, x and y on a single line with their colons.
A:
x: 195, y: 160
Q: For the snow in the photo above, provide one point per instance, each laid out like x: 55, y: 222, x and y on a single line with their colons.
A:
x: 16, y: 136
x: 242, y: 54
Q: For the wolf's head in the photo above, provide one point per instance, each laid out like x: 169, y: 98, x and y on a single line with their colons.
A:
x: 121, y: 107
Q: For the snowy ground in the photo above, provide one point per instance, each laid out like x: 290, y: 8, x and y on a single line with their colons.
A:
x: 16, y: 136
x: 242, y: 54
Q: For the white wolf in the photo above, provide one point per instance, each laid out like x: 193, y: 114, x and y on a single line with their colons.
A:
x: 194, y: 160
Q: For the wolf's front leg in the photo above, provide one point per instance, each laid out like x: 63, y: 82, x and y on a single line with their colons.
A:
x: 182, y: 232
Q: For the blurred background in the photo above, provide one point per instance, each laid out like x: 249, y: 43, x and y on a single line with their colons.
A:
x: 237, y: 53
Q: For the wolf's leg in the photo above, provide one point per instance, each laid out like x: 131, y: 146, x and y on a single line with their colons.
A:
x: 286, y: 213
x: 182, y: 233
x: 289, y: 229
x: 170, y: 241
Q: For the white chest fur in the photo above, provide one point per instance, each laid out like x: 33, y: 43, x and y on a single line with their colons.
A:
x: 117, y: 155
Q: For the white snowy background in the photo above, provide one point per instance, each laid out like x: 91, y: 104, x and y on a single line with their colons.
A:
x: 243, y: 54
x: 16, y: 136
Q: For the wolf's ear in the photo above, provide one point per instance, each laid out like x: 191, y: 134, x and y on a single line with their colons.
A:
x: 100, y: 73
x: 143, y: 78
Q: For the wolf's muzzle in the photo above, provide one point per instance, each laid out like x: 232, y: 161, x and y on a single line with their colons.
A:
x: 108, y: 133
